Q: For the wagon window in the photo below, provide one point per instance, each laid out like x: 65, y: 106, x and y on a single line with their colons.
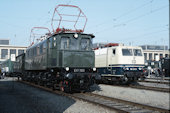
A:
x: 127, y: 52
x: 65, y: 42
x: 137, y: 52
x: 85, y: 44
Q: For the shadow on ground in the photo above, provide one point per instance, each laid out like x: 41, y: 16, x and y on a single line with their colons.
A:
x: 16, y: 97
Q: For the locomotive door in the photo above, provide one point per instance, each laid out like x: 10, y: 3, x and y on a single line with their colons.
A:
x: 109, y: 61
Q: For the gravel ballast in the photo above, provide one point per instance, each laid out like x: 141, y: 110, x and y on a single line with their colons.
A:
x: 152, y: 98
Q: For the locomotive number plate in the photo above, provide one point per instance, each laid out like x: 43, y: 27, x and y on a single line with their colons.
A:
x: 79, y: 70
x: 133, y: 69
x: 81, y: 81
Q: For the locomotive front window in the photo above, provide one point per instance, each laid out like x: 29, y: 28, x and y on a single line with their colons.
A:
x: 65, y: 42
x: 127, y: 52
x: 137, y: 52
x: 74, y: 44
x: 85, y: 44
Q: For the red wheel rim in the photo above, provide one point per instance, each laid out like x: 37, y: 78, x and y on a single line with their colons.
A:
x: 61, y: 86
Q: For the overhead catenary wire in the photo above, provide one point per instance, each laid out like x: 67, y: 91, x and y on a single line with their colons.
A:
x: 124, y: 14
x: 132, y: 19
x: 138, y: 37
x: 153, y: 27
x: 146, y: 34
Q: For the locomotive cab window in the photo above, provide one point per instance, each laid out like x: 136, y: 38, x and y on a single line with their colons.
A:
x: 44, y: 47
x: 74, y: 44
x: 137, y: 52
x: 85, y: 44
x: 127, y: 52
x: 65, y: 42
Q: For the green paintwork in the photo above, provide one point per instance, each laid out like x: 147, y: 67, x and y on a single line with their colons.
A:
x: 77, y: 59
x: 54, y: 57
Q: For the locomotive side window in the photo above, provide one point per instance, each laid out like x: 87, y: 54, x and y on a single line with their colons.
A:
x: 114, y: 51
x: 34, y: 51
x: 44, y: 47
x: 85, y: 44
x: 51, y: 42
x: 41, y: 49
x: 65, y: 42
x: 38, y: 50
x: 137, y: 52
x: 127, y: 52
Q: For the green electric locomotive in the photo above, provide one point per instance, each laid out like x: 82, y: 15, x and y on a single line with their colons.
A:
x: 64, y: 59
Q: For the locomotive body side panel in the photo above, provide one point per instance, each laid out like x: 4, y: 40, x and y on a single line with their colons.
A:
x: 36, y: 57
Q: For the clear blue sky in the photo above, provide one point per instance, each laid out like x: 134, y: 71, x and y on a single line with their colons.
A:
x: 121, y: 21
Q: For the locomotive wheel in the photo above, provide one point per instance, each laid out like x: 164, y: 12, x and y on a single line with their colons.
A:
x: 65, y: 88
x: 61, y: 86
x: 54, y: 86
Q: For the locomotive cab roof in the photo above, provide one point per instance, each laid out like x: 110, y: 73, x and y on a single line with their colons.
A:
x: 61, y: 33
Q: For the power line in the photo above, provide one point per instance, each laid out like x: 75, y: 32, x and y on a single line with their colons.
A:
x: 143, y: 36
x: 133, y: 19
x: 124, y: 14
x: 153, y: 27
x: 155, y: 10
x: 133, y: 10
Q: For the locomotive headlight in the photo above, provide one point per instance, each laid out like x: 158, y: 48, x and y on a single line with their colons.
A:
x: 140, y: 68
x: 94, y: 69
x: 69, y: 76
x: 67, y: 68
x: 76, y: 35
x: 146, y: 64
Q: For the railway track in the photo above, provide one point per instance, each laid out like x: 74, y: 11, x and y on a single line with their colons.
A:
x: 159, y: 79
x: 166, y: 90
x: 115, y: 104
x: 158, y: 82
x: 119, y: 105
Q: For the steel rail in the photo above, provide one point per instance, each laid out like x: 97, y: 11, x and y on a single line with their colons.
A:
x: 159, y: 79
x: 159, y: 82
x: 115, y: 104
x: 166, y: 90
x: 132, y: 104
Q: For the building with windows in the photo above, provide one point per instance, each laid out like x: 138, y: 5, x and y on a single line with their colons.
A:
x: 155, y: 52
x: 7, y: 50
